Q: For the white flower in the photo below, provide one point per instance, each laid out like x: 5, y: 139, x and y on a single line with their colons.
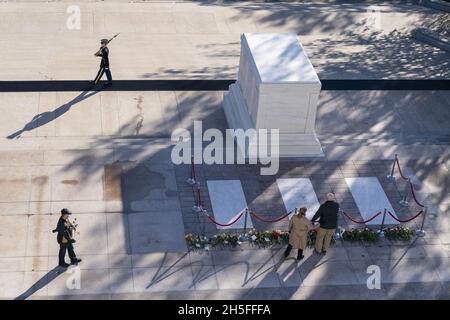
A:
x: 226, y: 242
x: 267, y: 239
x: 253, y: 237
x: 207, y: 247
x: 197, y: 245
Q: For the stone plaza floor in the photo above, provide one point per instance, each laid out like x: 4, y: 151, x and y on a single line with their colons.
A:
x: 106, y: 155
x: 200, y: 40
x: 134, y: 206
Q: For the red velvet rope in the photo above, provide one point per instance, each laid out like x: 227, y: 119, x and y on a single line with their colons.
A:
x: 225, y: 224
x: 407, y: 220
x: 414, y: 196
x: 287, y: 214
x: 269, y: 221
x: 361, y: 222
x: 410, y: 185
x: 400, y: 170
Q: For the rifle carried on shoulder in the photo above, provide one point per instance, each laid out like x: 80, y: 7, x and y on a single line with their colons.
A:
x: 98, y: 52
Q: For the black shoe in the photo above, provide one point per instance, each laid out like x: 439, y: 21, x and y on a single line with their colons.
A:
x: 108, y: 84
x: 286, y: 254
x: 76, y: 261
x: 300, y: 257
x: 324, y: 251
x: 64, y: 265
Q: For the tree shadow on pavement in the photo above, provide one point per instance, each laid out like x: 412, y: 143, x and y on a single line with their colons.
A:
x: 165, y: 272
x: 138, y: 242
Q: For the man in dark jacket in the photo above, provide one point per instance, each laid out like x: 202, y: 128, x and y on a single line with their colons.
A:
x: 328, y: 216
x: 65, y: 239
x: 104, y: 63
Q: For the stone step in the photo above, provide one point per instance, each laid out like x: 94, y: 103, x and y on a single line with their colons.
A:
x: 437, y: 4
x: 431, y: 38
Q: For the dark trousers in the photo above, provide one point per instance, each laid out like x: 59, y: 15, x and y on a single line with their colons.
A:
x: 288, y: 251
x: 100, y: 73
x: 62, y: 252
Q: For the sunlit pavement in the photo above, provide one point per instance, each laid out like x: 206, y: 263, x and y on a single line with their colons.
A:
x: 106, y: 156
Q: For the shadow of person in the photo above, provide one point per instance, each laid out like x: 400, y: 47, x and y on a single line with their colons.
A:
x: 41, y: 283
x: 311, y: 261
x: 43, y: 118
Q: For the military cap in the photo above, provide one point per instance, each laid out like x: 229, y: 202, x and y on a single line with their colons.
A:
x: 66, y: 211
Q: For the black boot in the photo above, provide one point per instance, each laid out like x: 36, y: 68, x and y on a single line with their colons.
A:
x: 75, y: 261
x: 288, y: 250
x: 300, y: 255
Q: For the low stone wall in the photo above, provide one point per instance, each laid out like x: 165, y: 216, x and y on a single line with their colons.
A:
x: 431, y: 38
x: 437, y: 4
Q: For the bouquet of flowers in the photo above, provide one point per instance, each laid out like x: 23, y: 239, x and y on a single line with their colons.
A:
x: 225, y: 239
x: 399, y: 233
x: 366, y: 235
x: 74, y: 226
x: 268, y: 238
x: 311, y: 238
x: 196, y: 241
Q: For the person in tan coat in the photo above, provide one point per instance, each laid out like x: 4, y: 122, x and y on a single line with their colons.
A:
x: 299, y: 226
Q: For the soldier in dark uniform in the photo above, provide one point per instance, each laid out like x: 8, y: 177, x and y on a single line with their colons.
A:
x: 104, y: 63
x: 65, y: 239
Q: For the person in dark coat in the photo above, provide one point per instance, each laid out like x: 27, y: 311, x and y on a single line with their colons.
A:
x: 65, y: 239
x: 104, y: 63
x: 328, y: 217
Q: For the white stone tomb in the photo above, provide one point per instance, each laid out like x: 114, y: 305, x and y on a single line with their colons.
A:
x: 277, y: 88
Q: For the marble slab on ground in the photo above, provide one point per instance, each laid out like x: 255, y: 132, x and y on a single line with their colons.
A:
x: 297, y: 193
x: 370, y: 199
x: 228, y: 201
